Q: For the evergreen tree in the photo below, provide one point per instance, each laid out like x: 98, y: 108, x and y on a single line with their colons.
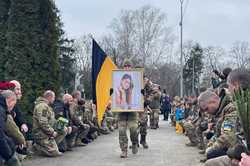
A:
x: 4, y: 10
x: 67, y: 64
x: 32, y: 48
x: 193, y: 68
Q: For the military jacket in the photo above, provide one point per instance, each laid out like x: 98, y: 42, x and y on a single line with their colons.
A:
x: 155, y: 100
x: 226, y: 125
x: 76, y: 115
x: 13, y: 131
x: 43, y: 119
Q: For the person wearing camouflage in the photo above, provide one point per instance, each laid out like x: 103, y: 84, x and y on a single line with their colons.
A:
x: 237, y: 79
x: 143, y: 116
x: 154, y: 104
x: 45, y: 136
x: 143, y: 125
x: 225, y: 128
x: 128, y: 120
x: 76, y: 116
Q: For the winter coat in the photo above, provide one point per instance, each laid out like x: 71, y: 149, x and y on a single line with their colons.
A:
x: 7, y: 147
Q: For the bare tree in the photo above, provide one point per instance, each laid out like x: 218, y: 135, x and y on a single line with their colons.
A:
x: 143, y: 36
x: 83, y: 50
x: 123, y: 31
x: 240, y: 53
x: 154, y: 38
x: 213, y: 57
x: 110, y: 47
x: 82, y: 54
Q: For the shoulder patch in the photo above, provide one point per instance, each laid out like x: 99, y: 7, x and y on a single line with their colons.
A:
x: 228, y: 126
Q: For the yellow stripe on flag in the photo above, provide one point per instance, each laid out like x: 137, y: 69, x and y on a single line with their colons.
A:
x: 103, y: 86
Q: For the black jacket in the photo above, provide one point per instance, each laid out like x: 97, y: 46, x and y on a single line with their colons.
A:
x: 18, y: 117
x: 7, y: 147
x: 60, y: 109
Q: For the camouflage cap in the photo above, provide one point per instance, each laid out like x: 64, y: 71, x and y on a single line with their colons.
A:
x: 127, y: 62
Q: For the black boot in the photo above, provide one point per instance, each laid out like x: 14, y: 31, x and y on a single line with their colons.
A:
x: 143, y: 142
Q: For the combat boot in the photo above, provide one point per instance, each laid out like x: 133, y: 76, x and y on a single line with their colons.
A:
x: 13, y: 161
x: 134, y: 148
x: 111, y: 128
x: 124, y: 154
x: 202, y: 152
x: 130, y: 146
x: 191, y: 144
x: 79, y: 142
x: 200, y: 147
x: 143, y: 142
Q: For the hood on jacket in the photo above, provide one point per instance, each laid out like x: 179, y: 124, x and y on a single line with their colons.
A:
x: 3, y: 102
x: 41, y: 100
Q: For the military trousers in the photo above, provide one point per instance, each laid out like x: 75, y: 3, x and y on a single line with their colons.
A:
x: 190, y: 131
x: 110, y: 122
x: 49, y: 146
x: 154, y: 118
x: 219, y: 161
x: 127, y: 120
x: 83, y: 131
x: 143, y: 121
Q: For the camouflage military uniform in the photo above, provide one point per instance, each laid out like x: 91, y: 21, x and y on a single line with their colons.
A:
x: 128, y: 120
x: 143, y: 125
x: 43, y: 123
x: 155, y: 107
x: 76, y: 116
x: 201, y: 127
x: 219, y: 161
x: 189, y: 126
x: 226, y: 125
x: 110, y: 120
x: 88, y: 119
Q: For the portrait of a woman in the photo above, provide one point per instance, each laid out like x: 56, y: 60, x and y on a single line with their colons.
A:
x: 123, y: 93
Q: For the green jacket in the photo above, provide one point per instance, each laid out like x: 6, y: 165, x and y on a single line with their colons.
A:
x: 43, y: 119
x: 13, y: 131
x: 226, y: 127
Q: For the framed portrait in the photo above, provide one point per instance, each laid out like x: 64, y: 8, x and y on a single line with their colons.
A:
x: 127, y: 85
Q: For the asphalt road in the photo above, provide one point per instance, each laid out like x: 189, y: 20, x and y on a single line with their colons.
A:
x: 166, y: 148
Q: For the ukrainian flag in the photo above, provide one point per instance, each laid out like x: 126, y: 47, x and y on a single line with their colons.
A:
x: 102, y: 66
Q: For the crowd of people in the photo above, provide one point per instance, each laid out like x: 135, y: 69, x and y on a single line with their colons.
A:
x: 58, y: 125
x: 211, y: 122
x: 61, y: 123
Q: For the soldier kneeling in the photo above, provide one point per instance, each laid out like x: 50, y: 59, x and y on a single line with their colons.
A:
x: 46, y: 138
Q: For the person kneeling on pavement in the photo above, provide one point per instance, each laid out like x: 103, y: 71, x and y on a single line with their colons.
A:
x: 225, y: 128
x: 46, y: 138
x: 7, y: 146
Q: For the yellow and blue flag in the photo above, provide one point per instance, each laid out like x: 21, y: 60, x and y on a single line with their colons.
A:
x: 102, y: 67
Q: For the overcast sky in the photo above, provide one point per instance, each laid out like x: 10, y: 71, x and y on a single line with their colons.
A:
x: 210, y: 22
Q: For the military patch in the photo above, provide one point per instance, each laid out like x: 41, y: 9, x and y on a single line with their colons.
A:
x: 44, y: 113
x: 227, y: 126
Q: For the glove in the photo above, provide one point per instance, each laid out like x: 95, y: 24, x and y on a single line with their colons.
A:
x: 23, y: 151
x: 143, y: 92
x: 111, y: 91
